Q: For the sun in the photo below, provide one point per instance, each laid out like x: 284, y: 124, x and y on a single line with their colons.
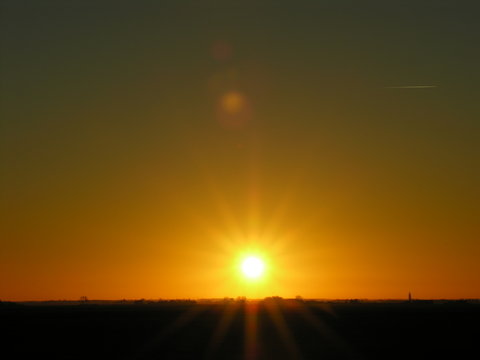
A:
x: 253, y: 267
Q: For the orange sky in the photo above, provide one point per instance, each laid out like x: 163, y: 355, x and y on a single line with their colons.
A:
x: 146, y: 149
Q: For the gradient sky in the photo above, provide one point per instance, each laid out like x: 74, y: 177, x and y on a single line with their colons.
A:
x: 146, y: 146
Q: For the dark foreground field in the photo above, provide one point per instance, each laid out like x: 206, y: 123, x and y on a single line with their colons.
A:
x: 236, y: 330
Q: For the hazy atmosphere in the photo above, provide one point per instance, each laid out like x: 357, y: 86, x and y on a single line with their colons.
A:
x: 148, y: 147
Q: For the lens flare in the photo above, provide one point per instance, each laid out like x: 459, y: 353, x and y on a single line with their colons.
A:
x: 233, y: 102
x: 233, y: 110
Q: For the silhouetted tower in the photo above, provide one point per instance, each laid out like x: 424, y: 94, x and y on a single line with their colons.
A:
x: 409, y: 297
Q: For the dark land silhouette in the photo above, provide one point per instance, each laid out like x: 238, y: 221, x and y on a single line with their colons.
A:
x: 273, y: 328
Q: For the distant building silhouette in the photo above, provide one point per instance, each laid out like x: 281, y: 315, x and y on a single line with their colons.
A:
x: 409, y: 297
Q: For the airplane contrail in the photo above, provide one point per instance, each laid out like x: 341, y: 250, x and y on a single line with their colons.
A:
x: 412, y: 87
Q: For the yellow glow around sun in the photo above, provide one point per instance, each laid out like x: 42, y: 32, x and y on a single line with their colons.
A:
x: 253, y: 267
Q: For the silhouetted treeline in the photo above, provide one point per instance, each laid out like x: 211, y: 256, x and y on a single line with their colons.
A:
x: 9, y: 304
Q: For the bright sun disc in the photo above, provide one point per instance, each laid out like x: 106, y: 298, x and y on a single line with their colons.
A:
x: 252, y: 267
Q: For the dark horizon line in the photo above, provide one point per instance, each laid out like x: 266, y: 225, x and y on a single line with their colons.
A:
x: 238, y: 298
